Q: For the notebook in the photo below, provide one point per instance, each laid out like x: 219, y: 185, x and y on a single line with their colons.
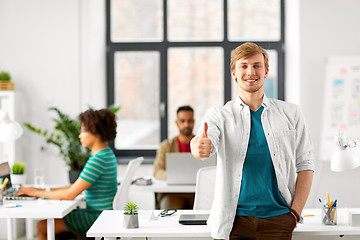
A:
x: 181, y: 168
x: 193, y: 219
x: 10, y: 193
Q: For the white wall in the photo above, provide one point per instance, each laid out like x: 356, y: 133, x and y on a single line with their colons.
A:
x: 324, y: 28
x: 54, y: 50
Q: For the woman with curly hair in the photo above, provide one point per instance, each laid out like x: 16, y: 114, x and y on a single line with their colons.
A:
x: 97, y: 179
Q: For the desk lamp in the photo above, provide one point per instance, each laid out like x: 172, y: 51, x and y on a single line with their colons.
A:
x: 346, y: 155
x: 9, y: 129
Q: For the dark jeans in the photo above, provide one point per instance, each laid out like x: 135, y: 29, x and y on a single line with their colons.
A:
x: 273, y: 228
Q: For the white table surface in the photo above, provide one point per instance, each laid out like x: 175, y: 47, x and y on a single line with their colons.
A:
x: 313, y: 225
x: 109, y: 225
x: 41, y: 208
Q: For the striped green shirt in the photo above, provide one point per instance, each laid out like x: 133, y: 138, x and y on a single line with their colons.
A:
x: 101, y: 171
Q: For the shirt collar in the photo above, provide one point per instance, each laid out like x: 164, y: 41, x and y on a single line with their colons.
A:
x: 265, y: 103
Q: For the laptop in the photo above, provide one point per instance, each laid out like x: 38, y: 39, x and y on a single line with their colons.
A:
x: 5, y: 173
x: 181, y: 168
x: 9, y: 192
x: 193, y: 219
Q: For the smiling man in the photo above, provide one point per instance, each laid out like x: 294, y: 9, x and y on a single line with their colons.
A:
x: 264, y: 156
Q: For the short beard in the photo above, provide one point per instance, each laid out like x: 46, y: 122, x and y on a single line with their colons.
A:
x: 252, y: 90
x: 186, y: 132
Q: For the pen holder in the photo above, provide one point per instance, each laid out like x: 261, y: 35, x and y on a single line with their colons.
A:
x: 329, y: 215
x: 1, y: 199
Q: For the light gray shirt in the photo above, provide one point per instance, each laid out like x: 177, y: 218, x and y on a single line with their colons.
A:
x: 229, y: 131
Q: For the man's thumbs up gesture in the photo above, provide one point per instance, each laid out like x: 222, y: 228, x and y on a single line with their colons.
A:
x: 201, y: 146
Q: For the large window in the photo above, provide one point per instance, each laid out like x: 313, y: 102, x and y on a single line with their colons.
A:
x: 166, y: 53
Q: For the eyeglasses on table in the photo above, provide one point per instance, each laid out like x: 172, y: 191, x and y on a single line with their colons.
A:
x: 167, y: 212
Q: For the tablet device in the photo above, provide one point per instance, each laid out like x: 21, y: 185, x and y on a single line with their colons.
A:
x: 193, y: 219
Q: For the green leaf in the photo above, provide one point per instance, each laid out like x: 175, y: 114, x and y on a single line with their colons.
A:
x: 114, y: 109
x: 5, y: 76
x: 18, y: 168
x: 131, y: 208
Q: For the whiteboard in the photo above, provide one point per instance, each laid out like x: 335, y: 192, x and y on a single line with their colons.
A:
x: 342, y: 102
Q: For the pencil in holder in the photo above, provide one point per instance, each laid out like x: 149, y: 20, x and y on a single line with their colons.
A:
x: 329, y: 215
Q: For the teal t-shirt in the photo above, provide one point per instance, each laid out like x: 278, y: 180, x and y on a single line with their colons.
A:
x: 259, y: 193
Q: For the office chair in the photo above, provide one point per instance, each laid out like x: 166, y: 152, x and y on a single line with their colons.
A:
x: 205, y: 186
x: 122, y: 193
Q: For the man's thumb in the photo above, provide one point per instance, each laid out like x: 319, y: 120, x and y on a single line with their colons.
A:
x: 205, y: 130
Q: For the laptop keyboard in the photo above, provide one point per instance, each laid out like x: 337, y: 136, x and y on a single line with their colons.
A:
x: 18, y: 198
x: 11, y: 194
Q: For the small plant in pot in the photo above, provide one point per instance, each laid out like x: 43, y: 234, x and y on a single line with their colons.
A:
x: 5, y: 81
x: 131, y: 219
x: 18, y: 173
x: 5, y: 76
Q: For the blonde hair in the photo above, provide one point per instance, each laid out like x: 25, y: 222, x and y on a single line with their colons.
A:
x: 246, y: 50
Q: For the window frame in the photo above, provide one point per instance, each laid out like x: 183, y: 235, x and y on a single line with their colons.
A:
x: 163, y: 46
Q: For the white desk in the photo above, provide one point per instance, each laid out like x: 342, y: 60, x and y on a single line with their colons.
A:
x: 313, y: 226
x: 43, y: 209
x: 160, y: 186
x: 109, y: 226
x: 146, y: 196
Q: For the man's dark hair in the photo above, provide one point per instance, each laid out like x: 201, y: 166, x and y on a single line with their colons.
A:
x: 185, y: 108
x: 100, y: 122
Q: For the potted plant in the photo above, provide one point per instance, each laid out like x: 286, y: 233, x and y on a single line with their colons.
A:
x: 131, y: 219
x: 65, y: 136
x: 18, y: 173
x: 5, y: 82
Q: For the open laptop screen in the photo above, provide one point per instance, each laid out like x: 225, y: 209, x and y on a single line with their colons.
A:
x: 5, y: 173
x: 181, y: 168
